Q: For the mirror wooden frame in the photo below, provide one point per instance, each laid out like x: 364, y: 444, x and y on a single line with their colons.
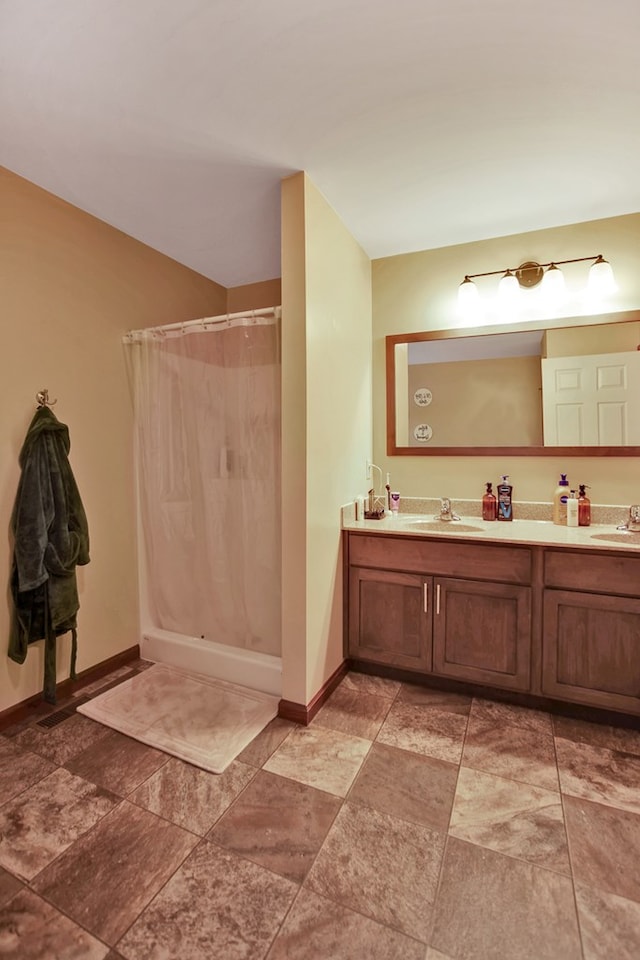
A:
x: 393, y: 450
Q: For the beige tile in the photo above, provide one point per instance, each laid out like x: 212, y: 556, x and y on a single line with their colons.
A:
x: 63, y: 742
x: 497, y: 713
x: 268, y: 740
x: 366, y: 683
x: 20, y: 769
x: 598, y: 774
x: 437, y: 699
x: 610, y: 925
x: 325, y: 759
x: 116, y: 676
x: 31, y: 929
x: 491, y: 907
x: 44, y: 820
x: 433, y: 733
x: 278, y: 823
x: 9, y: 886
x: 111, y: 874
x: 190, y: 797
x: 604, y: 847
x: 597, y: 734
x: 511, y: 742
x: 352, y: 712
x: 318, y: 928
x: 432, y: 954
x: 217, y: 905
x: 406, y: 785
x: 512, y: 818
x: 380, y: 866
x: 117, y: 763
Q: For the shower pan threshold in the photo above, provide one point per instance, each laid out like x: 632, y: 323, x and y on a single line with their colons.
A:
x: 247, y: 668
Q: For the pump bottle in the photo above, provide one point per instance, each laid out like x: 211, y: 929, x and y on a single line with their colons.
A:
x: 584, y: 507
x: 505, y: 505
x: 560, y: 498
x: 489, y: 504
x: 572, y: 510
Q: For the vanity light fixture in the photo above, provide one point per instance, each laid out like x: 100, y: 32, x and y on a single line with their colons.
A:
x: 601, y: 281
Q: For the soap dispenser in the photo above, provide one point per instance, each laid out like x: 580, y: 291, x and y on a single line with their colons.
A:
x: 560, y: 498
x: 489, y: 504
x: 572, y: 510
x: 584, y: 507
x: 505, y: 505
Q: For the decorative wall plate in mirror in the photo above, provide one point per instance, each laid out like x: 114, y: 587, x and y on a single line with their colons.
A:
x: 566, y: 387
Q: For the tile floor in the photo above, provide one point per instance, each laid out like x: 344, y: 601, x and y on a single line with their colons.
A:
x: 402, y: 823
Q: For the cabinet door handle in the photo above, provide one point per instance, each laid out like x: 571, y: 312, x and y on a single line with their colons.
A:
x: 425, y: 597
x: 438, y: 599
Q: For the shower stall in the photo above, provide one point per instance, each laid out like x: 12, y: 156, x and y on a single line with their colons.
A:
x: 207, y: 455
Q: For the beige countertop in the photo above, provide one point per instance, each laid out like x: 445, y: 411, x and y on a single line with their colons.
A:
x: 532, y: 532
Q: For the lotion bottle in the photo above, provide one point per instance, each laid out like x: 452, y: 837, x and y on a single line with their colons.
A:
x: 584, y: 507
x: 572, y: 510
x: 505, y: 505
x: 489, y: 504
x: 560, y: 500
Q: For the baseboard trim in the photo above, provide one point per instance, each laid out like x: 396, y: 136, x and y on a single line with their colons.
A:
x: 304, y: 713
x: 35, y: 706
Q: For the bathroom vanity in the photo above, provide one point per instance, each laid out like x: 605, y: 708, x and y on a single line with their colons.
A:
x: 526, y: 607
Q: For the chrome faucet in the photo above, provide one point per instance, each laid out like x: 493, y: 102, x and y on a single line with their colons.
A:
x: 446, y: 513
x: 632, y: 523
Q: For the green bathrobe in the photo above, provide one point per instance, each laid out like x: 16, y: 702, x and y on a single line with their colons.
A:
x: 51, y: 537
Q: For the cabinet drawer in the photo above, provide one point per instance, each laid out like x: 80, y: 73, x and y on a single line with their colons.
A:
x: 592, y: 572
x: 473, y: 560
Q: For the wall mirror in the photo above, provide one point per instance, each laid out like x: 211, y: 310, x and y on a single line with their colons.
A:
x: 566, y: 387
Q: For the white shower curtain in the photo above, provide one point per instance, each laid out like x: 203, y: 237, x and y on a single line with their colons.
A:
x: 207, y: 428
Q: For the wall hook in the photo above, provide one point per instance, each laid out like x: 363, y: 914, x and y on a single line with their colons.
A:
x: 43, y: 399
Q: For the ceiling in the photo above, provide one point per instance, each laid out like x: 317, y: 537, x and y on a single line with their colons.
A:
x: 424, y: 124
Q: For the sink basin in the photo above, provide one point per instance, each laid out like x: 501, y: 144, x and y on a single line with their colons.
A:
x: 442, y: 526
x: 618, y: 536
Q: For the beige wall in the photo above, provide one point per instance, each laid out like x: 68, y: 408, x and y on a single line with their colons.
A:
x: 587, y: 341
x: 476, y: 400
x: 418, y: 291
x: 70, y: 287
x: 326, y: 342
x: 254, y: 296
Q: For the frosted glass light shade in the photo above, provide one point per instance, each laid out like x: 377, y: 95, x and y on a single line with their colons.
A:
x: 508, y: 290
x: 553, y: 285
x: 601, y: 280
x: 468, y: 297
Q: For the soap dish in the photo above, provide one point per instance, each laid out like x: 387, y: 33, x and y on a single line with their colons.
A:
x: 374, y: 514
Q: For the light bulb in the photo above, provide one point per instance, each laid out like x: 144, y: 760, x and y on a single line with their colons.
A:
x: 601, y: 280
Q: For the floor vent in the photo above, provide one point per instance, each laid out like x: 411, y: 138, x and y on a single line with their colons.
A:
x: 60, y: 715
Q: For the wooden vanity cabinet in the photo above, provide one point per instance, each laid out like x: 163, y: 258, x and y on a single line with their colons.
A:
x: 557, y: 622
x: 388, y: 611
x: 439, y: 607
x: 591, y: 635
x: 482, y: 632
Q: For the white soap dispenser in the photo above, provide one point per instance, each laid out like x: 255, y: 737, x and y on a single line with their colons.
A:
x: 572, y: 510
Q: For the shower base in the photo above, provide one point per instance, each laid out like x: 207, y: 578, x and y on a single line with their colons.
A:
x: 247, y: 668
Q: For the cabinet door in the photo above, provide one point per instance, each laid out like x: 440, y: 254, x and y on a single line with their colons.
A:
x: 482, y: 632
x: 390, y: 618
x: 591, y: 649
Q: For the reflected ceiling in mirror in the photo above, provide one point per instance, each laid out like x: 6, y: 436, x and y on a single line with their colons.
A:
x: 565, y: 387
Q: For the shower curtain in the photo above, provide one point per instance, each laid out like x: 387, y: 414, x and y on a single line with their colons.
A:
x: 207, y: 433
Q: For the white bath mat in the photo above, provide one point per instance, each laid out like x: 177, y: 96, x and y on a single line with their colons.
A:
x: 203, y: 721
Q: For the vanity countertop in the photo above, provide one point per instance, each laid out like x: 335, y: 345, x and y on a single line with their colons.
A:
x: 532, y: 532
